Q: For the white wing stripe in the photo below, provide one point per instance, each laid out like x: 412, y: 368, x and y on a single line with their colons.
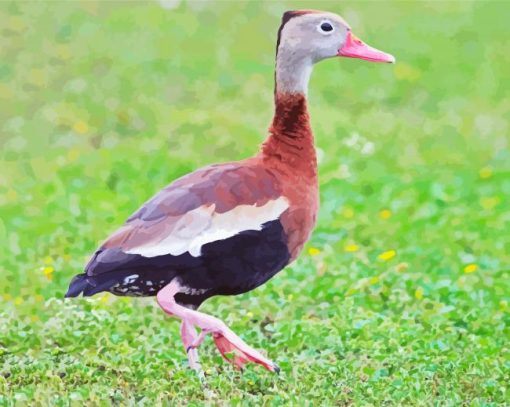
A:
x: 202, y: 225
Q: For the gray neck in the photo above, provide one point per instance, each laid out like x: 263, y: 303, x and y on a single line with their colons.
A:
x: 292, y: 72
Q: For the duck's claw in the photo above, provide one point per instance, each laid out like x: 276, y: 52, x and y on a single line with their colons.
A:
x: 243, y: 355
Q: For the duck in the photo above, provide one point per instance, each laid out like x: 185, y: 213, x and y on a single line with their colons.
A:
x: 227, y: 228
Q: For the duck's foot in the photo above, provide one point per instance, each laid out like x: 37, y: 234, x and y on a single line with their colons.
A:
x: 233, y: 349
x: 241, y: 355
x: 227, y: 342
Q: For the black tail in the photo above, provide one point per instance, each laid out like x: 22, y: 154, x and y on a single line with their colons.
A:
x: 109, y: 268
x: 87, y: 285
x: 98, y: 275
x: 78, y: 284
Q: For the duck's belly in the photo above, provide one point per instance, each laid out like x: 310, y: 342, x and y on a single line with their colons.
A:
x: 237, y: 264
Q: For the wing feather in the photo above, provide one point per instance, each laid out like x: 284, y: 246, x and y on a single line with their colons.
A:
x: 209, y: 204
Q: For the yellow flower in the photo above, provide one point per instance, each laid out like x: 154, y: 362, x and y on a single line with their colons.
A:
x: 12, y: 195
x: 313, y: 251
x: 489, y: 202
x: 18, y: 301
x: 17, y: 24
x: 80, y: 127
x: 351, y: 248
x: 407, y: 72
x: 373, y: 280
x: 5, y: 92
x: 63, y: 52
x: 73, y: 154
x: 418, y: 294
x: 48, y: 272
x: 401, y: 267
x: 38, y: 77
x: 387, y: 255
x: 104, y: 298
x: 470, y: 268
x: 348, y: 213
x: 249, y: 314
x: 350, y: 291
x: 385, y: 214
x: 485, y: 172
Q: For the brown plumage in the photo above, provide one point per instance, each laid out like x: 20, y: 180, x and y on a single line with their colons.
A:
x: 223, y: 186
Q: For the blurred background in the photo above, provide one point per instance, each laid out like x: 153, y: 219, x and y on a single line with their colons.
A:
x: 403, y: 293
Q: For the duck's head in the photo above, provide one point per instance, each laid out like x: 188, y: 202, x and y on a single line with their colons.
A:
x: 309, y: 36
x: 319, y: 35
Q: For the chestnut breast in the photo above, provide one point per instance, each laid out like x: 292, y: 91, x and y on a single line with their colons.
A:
x: 289, y: 152
x: 299, y: 219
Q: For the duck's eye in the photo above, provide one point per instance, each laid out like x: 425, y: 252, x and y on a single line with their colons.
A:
x: 326, y: 27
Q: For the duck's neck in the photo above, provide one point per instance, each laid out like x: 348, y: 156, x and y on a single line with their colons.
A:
x: 290, y: 144
x: 292, y: 72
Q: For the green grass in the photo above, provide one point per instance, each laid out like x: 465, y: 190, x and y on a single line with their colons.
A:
x: 102, y: 104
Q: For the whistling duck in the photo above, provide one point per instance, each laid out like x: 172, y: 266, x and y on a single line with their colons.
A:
x: 227, y: 228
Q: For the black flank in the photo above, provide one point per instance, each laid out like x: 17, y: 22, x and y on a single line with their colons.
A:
x: 226, y: 267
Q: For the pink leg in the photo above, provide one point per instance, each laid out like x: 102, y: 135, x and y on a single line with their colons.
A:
x: 225, y: 339
x: 189, y: 336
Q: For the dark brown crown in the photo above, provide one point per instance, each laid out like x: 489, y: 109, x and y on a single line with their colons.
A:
x: 287, y: 16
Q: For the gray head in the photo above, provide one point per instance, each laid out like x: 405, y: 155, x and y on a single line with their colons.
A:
x: 306, y: 37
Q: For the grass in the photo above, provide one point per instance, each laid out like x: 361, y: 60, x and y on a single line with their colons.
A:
x: 401, y: 296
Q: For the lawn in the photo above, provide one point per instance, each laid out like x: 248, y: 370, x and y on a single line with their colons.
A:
x: 402, y: 296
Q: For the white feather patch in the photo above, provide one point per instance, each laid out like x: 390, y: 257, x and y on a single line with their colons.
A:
x: 203, y: 225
